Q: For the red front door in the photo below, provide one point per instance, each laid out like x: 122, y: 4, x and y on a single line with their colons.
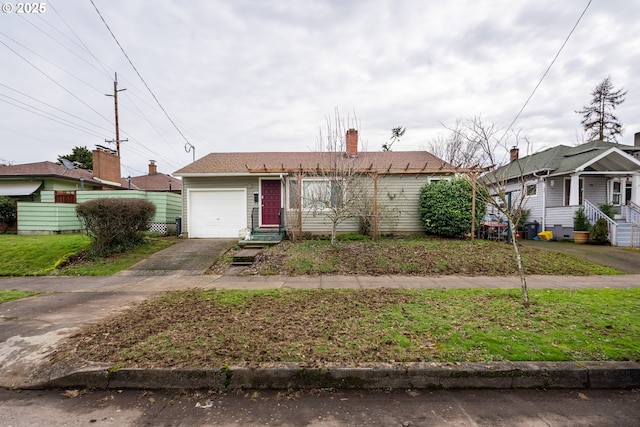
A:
x: 270, y: 202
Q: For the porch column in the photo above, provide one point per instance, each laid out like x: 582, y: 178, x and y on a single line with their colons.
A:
x: 635, y: 188
x: 574, y: 191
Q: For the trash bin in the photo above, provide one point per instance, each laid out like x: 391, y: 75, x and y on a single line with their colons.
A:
x: 531, y: 229
x: 178, y: 226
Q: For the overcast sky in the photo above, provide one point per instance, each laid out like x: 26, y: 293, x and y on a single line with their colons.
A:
x: 260, y: 75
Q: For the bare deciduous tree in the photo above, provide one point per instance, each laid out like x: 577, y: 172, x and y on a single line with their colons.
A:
x: 336, y: 188
x: 457, y: 149
x: 505, y: 184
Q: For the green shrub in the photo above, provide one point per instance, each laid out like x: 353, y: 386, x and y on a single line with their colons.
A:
x: 580, y: 220
x: 115, y: 225
x: 445, y: 208
x: 8, y: 213
x: 600, y: 232
x: 607, y: 209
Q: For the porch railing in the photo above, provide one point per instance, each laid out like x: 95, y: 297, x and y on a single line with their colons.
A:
x: 255, y: 223
x: 631, y: 212
x: 594, y: 214
x: 281, y: 221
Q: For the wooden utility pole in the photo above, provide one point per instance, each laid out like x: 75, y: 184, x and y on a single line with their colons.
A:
x: 115, y: 105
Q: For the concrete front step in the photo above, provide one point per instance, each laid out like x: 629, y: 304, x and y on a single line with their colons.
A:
x: 245, y: 257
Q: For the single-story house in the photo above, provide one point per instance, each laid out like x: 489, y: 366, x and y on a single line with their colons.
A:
x: 47, y: 193
x: 232, y: 194
x: 559, y: 180
x: 154, y: 181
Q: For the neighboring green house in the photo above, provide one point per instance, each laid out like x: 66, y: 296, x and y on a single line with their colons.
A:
x: 561, y: 179
x: 231, y: 194
x: 47, y: 194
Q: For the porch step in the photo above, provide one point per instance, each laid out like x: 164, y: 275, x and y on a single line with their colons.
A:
x: 262, y: 238
x: 245, y: 257
x: 627, y: 235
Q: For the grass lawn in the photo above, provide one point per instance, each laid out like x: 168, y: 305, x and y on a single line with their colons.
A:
x: 6, y: 296
x: 43, y: 255
x: 424, y: 256
x: 353, y: 327
x: 37, y: 255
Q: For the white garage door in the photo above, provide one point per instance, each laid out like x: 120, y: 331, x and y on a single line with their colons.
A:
x: 217, y: 213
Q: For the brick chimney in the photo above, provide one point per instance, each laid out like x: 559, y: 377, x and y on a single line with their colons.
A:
x: 514, y: 154
x: 352, y: 142
x: 153, y: 168
x: 106, y: 165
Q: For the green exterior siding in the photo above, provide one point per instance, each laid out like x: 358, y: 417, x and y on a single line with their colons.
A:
x: 49, y: 217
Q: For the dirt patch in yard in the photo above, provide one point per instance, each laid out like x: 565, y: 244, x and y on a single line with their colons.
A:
x: 411, y: 256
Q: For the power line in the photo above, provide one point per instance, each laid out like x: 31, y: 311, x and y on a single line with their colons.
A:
x: 46, y: 115
x: 49, y: 62
x: 50, y: 106
x: 138, y: 73
x: 547, y: 71
x: 54, y: 81
x: 86, y: 48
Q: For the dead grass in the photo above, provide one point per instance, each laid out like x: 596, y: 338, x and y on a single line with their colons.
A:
x: 355, y: 327
x: 423, y: 256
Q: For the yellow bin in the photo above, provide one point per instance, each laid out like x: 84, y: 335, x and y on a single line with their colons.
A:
x: 545, y: 235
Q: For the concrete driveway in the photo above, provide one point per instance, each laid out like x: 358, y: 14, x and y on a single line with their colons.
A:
x: 32, y: 327
x: 186, y: 258
x: 622, y: 259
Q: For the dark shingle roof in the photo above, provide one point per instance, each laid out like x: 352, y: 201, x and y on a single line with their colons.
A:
x: 47, y: 170
x: 155, y: 182
x: 560, y: 159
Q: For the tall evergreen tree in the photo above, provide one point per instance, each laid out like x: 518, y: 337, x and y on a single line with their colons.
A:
x: 599, y: 121
x: 82, y: 156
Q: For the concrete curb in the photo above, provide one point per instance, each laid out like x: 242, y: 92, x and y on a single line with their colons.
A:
x: 498, y: 375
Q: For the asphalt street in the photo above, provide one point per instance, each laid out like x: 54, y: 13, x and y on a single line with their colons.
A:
x: 327, y: 408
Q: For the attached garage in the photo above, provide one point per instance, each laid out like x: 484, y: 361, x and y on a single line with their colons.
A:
x: 217, y: 212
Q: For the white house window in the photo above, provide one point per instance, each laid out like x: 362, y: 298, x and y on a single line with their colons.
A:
x: 318, y: 194
x: 532, y: 189
x: 293, y: 194
x: 616, y: 193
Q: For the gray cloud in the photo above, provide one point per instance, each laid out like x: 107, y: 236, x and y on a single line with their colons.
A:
x: 263, y: 75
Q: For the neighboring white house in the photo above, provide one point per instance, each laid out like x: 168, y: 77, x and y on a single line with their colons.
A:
x: 560, y: 179
x: 228, y: 194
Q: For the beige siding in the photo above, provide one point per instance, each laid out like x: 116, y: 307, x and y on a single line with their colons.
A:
x: 398, y: 207
x: 251, y: 183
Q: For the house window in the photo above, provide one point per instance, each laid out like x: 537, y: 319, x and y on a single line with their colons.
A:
x: 616, y: 194
x: 316, y: 194
x: 532, y: 189
x: 293, y: 194
x: 64, y: 196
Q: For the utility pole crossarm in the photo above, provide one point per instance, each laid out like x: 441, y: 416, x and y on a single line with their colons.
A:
x: 115, y: 105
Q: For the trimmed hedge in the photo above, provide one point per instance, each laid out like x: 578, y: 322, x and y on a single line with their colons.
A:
x: 115, y: 225
x: 445, y: 208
